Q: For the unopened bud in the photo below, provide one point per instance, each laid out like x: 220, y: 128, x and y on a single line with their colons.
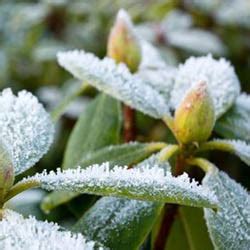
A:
x: 6, y: 172
x: 123, y: 45
x: 194, y: 118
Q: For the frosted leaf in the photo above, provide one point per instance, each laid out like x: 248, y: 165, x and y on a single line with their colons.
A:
x: 115, y: 219
x: 219, y: 76
x: 176, y: 20
x: 19, y: 233
x: 115, y: 80
x: 155, y: 71
x: 197, y: 41
x: 229, y: 227
x: 236, y: 122
x: 151, y: 57
x: 147, y: 183
x: 26, y: 128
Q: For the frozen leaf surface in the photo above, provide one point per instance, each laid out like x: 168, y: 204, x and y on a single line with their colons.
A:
x: 219, y: 76
x: 26, y: 129
x: 229, y: 227
x: 236, y: 122
x: 115, y: 80
x: 149, y: 183
x: 19, y: 233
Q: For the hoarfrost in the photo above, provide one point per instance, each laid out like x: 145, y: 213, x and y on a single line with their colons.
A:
x: 229, y: 227
x: 19, y: 233
x: 115, y: 80
x: 26, y: 129
x: 146, y: 183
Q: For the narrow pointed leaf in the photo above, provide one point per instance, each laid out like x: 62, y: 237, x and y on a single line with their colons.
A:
x: 16, y: 232
x: 235, y: 124
x: 229, y: 227
x: 115, y: 80
x: 124, y: 154
x: 26, y: 129
x: 98, y: 126
x: 149, y: 183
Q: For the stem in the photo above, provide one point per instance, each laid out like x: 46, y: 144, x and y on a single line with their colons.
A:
x: 204, y: 164
x: 168, y: 152
x: 170, y: 210
x: 20, y: 187
x: 129, y: 124
x: 216, y: 145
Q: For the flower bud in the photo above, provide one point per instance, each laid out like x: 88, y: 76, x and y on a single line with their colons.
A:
x: 6, y: 172
x: 195, y: 116
x: 123, y: 45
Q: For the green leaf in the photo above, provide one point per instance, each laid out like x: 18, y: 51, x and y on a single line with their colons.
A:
x: 235, y: 124
x: 189, y: 231
x: 229, y: 227
x: 115, y: 80
x: 150, y: 183
x: 98, y: 126
x: 125, y: 154
x: 119, y: 224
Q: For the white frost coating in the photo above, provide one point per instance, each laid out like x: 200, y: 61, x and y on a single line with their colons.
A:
x: 219, y: 76
x: 19, y: 233
x: 236, y: 122
x: 150, y: 57
x: 147, y: 183
x: 115, y: 80
x: 123, y: 16
x: 25, y: 128
x: 110, y: 217
x: 229, y: 228
x: 197, y: 41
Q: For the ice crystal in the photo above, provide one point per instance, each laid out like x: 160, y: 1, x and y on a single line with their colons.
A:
x: 229, y: 227
x: 147, y: 183
x: 219, y: 76
x: 26, y: 129
x: 236, y: 122
x: 115, y: 80
x: 19, y: 233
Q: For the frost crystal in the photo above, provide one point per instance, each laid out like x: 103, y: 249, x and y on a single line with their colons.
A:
x: 19, y: 233
x: 147, y: 183
x: 219, y: 76
x: 115, y: 80
x: 236, y: 122
x: 229, y: 227
x: 26, y: 129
